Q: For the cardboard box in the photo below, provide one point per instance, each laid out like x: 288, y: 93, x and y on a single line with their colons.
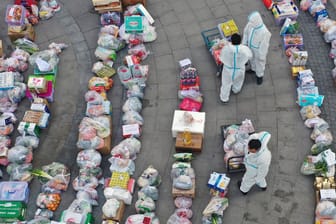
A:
x: 111, y: 7
x: 28, y: 33
x: 12, y: 211
x: 196, y: 126
x: 195, y: 146
x: 134, y: 24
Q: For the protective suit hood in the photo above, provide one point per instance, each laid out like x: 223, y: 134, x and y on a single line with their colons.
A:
x: 255, y: 19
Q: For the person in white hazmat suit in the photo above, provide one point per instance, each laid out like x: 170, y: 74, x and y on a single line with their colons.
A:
x: 257, y: 37
x: 234, y: 57
x: 257, y: 160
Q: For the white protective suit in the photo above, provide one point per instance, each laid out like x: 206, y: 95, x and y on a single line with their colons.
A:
x: 234, y: 58
x: 257, y: 164
x: 257, y: 37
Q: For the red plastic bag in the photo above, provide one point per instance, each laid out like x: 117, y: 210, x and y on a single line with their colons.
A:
x: 189, y: 104
x: 268, y: 4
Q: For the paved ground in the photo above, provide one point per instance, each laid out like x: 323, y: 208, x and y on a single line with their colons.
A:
x: 272, y: 107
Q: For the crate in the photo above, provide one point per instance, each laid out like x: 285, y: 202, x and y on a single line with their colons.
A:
x: 14, y: 191
x: 51, y: 72
x: 12, y: 211
x: 228, y: 28
x: 210, y: 35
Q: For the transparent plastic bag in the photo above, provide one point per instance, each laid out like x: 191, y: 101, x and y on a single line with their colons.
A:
x: 20, y: 172
x: 184, y: 213
x: 309, y: 111
x: 110, y: 29
x: 122, y: 165
x: 110, y: 42
x: 139, y: 51
x: 183, y: 182
x: 84, y: 182
x: 27, y: 141
x: 149, y: 191
x: 26, y: 45
x: 111, y: 18
x: 132, y: 117
x: 216, y: 205
x: 132, y: 104
x: 20, y: 54
x: 16, y: 94
x: 19, y: 154
x: 149, y: 176
x: 183, y: 202
x: 188, y: 171
x: 118, y: 193
x: 134, y: 90
x: 88, y: 194
x: 48, y: 56
x: 175, y: 219
x: 93, y: 97
x: 110, y: 208
x: 88, y: 159
x: 144, y: 205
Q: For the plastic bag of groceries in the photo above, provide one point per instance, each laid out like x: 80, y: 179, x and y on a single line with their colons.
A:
x: 118, y: 193
x: 183, y: 182
x: 183, y: 202
x: 111, y: 18
x: 49, y: 56
x: 88, y: 194
x: 89, y: 158
x: 132, y: 117
x: 122, y: 165
x: 110, y: 208
x: 16, y: 94
x: 20, y: 54
x: 135, y: 90
x: 144, y: 204
x: 149, y: 191
x: 27, y: 141
x: 148, y: 217
x: 184, y: 212
x: 175, y: 219
x: 330, y: 35
x: 110, y: 42
x: 84, y: 181
x: 316, y: 122
x: 132, y: 104
x: 178, y: 171
x: 320, y: 147
x: 110, y: 29
x: 309, y: 111
x: 26, y: 45
x: 93, y: 97
x: 216, y: 205
x: 101, y: 124
x: 20, y: 172
x: 126, y: 149
x: 149, y: 33
x: 19, y: 154
x: 149, y: 176
x: 326, y: 24
x: 139, y: 51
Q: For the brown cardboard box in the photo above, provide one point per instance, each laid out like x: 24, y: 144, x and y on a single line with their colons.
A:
x: 195, y: 146
x: 126, y: 3
x: 113, y: 7
x: 28, y: 33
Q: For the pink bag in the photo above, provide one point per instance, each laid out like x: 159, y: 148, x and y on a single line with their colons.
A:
x: 189, y: 104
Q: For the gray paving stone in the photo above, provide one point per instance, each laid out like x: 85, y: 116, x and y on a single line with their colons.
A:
x: 161, y: 48
x: 191, y: 28
x: 220, y: 12
x: 169, y: 17
x: 167, y: 91
x: 186, y: 17
x: 174, y: 30
x: 180, y: 54
x: 88, y: 21
x: 168, y: 76
x: 166, y: 108
x: 195, y: 41
x: 165, y: 62
x: 159, y: 8
x: 180, y: 7
x: 178, y: 43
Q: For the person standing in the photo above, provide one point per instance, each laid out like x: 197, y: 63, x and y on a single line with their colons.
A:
x: 257, y: 37
x: 257, y: 160
x: 234, y: 57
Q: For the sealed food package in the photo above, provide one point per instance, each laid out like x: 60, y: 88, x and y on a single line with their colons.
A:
x: 15, y: 15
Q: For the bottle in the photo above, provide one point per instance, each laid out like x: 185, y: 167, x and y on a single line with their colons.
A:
x: 186, y: 137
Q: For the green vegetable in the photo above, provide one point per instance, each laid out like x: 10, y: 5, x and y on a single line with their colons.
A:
x: 42, y: 175
x: 322, y: 167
